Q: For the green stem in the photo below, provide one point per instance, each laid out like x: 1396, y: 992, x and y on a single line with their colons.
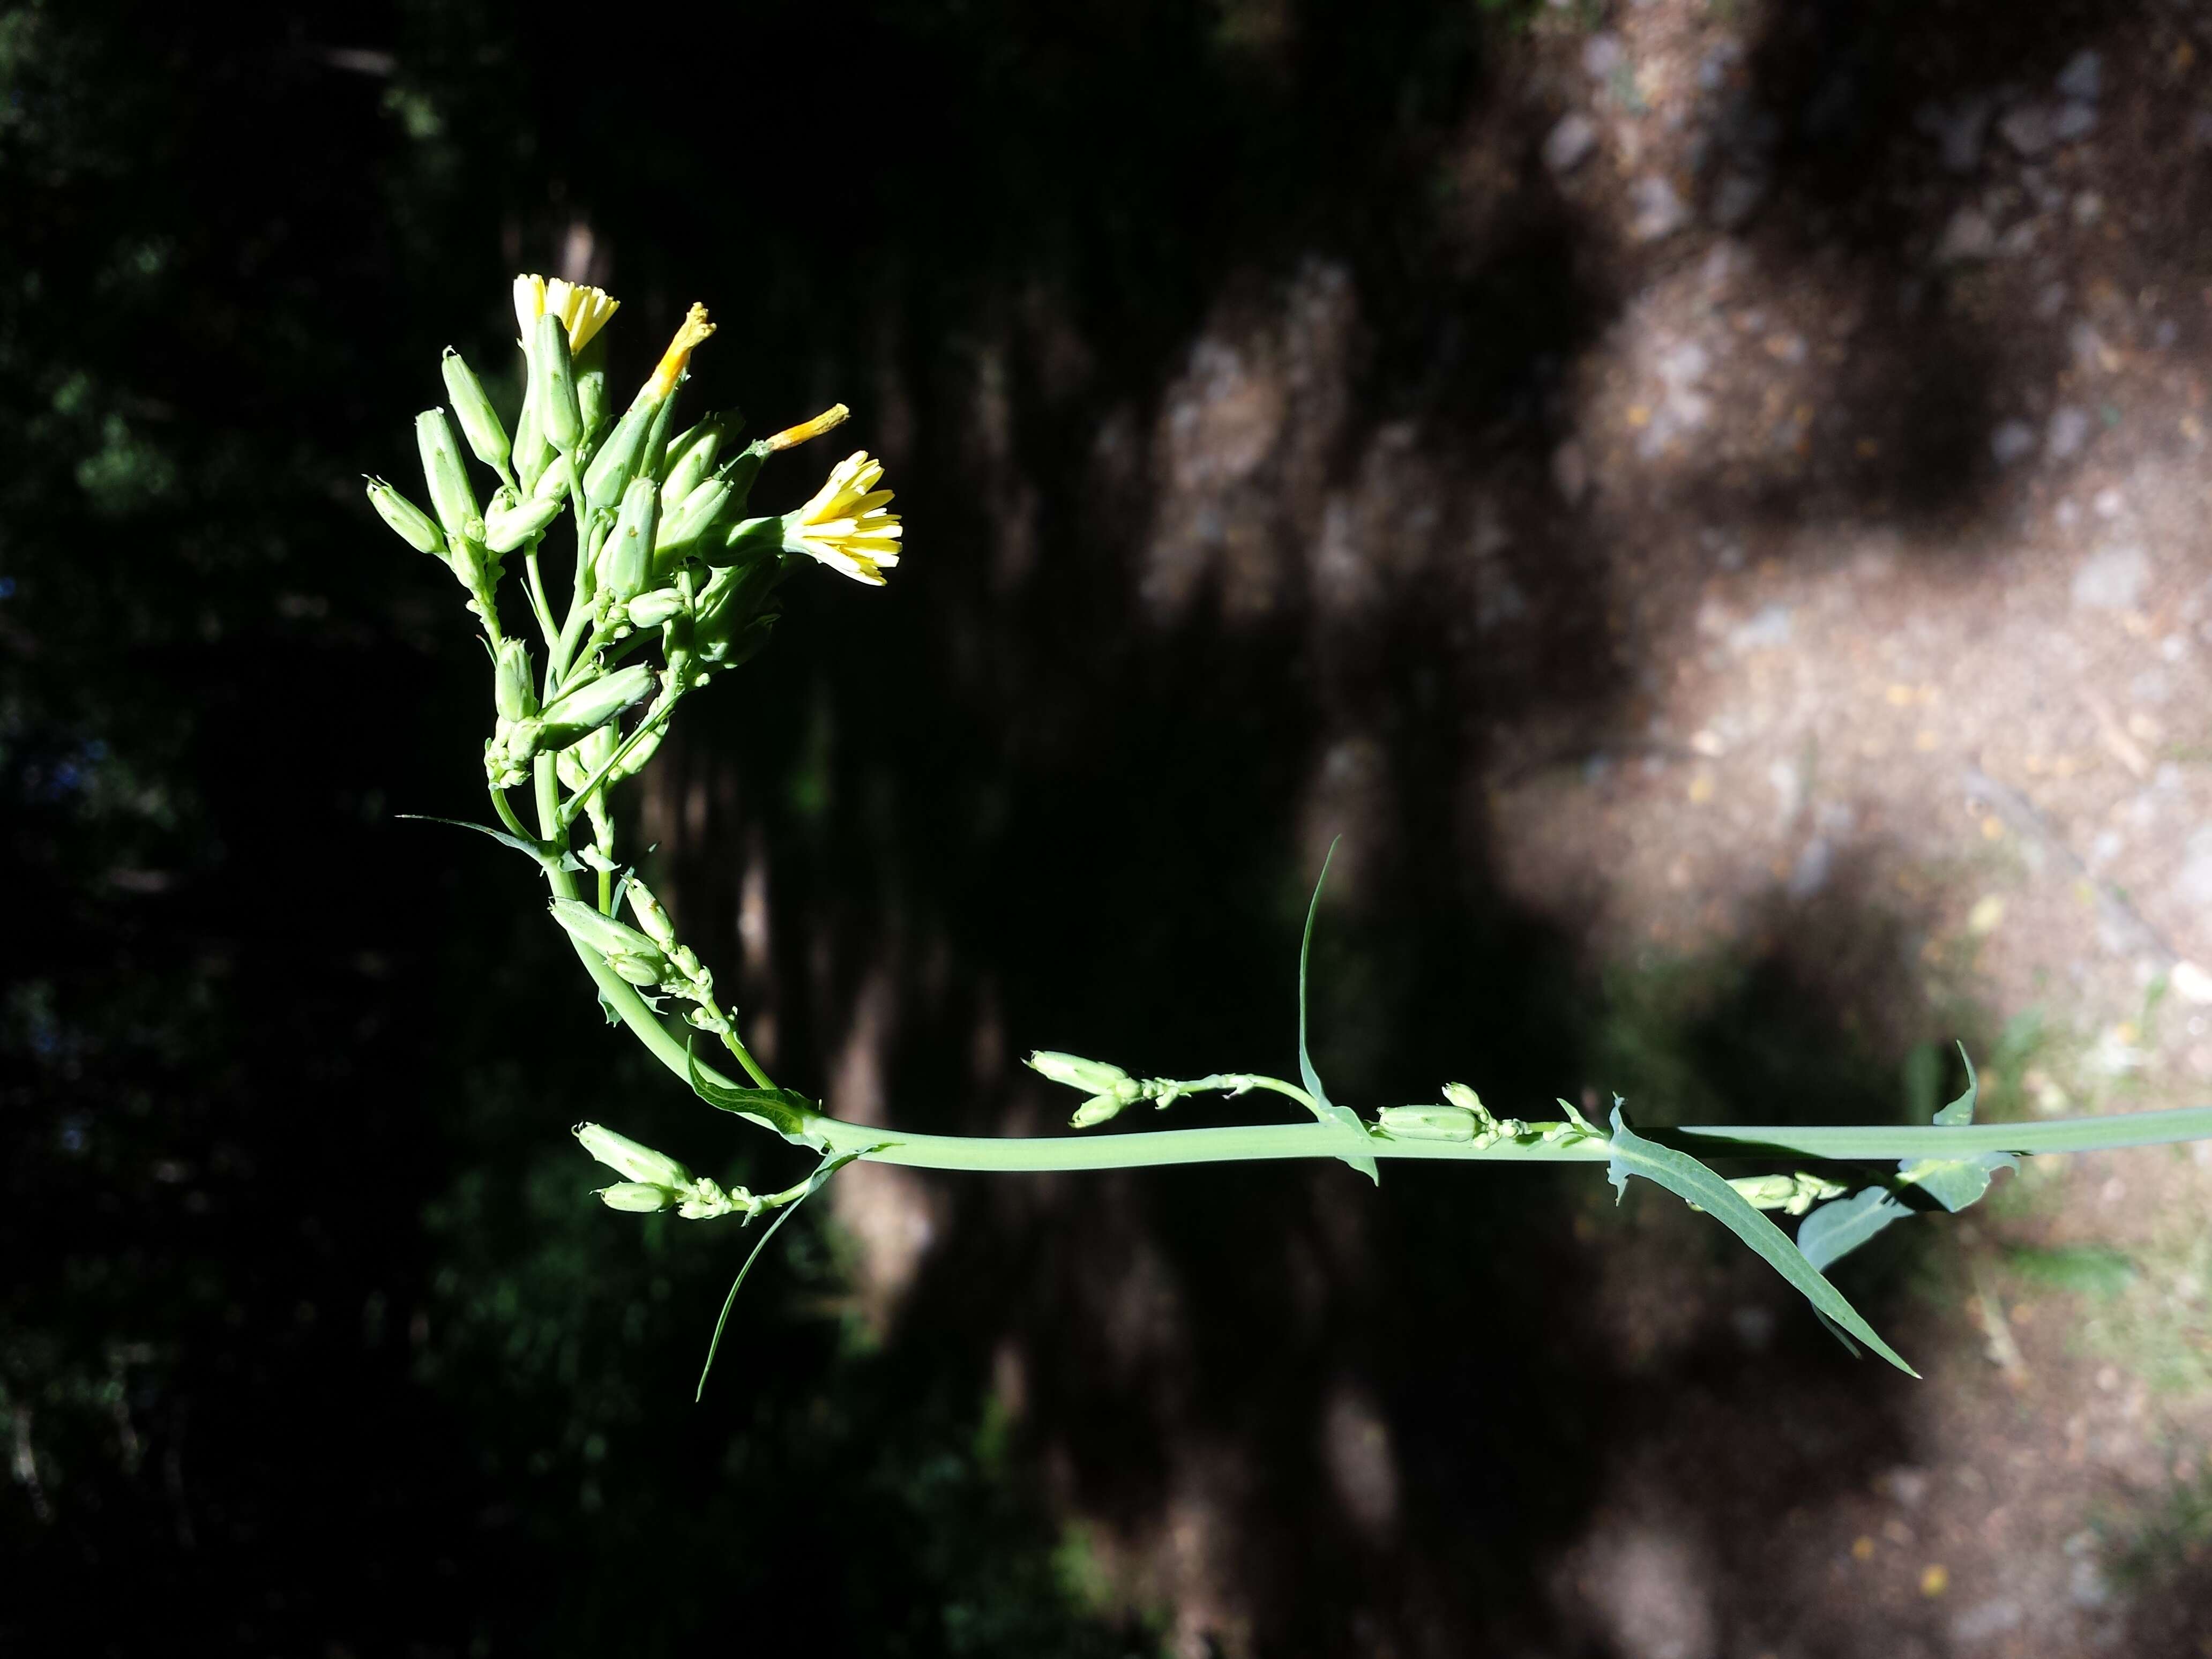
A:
x: 538, y: 601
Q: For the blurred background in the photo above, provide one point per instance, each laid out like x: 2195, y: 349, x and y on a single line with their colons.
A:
x: 1705, y: 496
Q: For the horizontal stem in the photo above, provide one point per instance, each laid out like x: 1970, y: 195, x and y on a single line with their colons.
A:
x: 1244, y: 1143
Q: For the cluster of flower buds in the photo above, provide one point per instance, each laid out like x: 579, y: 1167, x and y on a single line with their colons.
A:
x: 654, y: 1182
x: 650, y: 955
x: 1793, y: 1193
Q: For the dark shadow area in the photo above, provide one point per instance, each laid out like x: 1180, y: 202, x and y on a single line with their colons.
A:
x: 1225, y: 418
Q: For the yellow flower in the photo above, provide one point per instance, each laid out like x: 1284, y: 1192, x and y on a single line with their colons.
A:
x: 673, y: 361
x: 582, y: 310
x: 845, y: 526
x: 793, y: 436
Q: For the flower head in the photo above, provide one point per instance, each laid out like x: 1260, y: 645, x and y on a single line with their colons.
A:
x: 582, y: 310
x: 845, y: 526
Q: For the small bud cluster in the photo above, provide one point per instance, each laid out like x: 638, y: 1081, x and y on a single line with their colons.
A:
x: 653, y: 1180
x: 1111, y: 1089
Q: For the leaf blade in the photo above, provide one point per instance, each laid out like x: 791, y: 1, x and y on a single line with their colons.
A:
x: 1358, y: 1153
x: 1694, y: 1183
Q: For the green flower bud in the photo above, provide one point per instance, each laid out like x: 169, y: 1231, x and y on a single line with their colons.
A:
x: 615, y: 463
x: 511, y: 688
x: 410, y: 522
x: 628, y: 1158
x: 580, y: 761
x: 1427, y: 1123
x: 569, y: 716
x: 689, y: 524
x: 532, y: 452
x: 508, y: 527
x: 650, y: 914
x: 690, y: 457
x: 451, y: 498
x: 651, y: 609
x: 625, y: 561
x: 592, y: 386
x: 471, y: 568
x: 627, y: 952
x: 554, y: 378
x: 1468, y: 1101
x: 1099, y: 1109
x: 480, y: 422
x: 1094, y: 1075
x: 639, y: 1197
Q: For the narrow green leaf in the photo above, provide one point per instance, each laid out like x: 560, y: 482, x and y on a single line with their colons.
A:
x: 1357, y: 1153
x: 1835, y: 1230
x: 1961, y: 1112
x: 538, y: 850
x: 1692, y: 1182
x: 785, y: 1110
x: 822, y: 1171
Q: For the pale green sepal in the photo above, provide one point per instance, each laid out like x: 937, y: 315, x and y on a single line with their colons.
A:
x: 822, y: 1171
x: 507, y: 528
x: 1834, y: 1230
x: 786, y: 1111
x: 1694, y: 1183
x: 1357, y: 1151
x: 637, y: 1197
x: 555, y: 384
x: 451, y: 498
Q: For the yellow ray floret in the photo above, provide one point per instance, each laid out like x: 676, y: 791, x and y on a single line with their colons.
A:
x: 695, y: 328
x: 847, y: 525
x: 583, y: 311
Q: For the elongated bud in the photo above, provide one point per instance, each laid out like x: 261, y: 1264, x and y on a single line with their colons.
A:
x: 1099, y: 1108
x: 592, y: 386
x: 690, y: 458
x: 507, y: 528
x: 480, y: 422
x: 639, y: 1197
x: 511, y: 689
x: 554, y: 374
x: 532, y: 452
x: 1428, y: 1122
x: 568, y: 717
x: 627, y: 952
x: 579, y: 762
x: 652, y: 610
x: 615, y: 463
x: 408, y: 521
x: 451, y: 498
x: 828, y: 420
x: 1093, y: 1076
x: 684, y: 531
x: 625, y: 564
x: 650, y: 915
x: 627, y: 1158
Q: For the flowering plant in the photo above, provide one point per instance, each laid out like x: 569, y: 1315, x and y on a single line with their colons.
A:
x: 671, y: 584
